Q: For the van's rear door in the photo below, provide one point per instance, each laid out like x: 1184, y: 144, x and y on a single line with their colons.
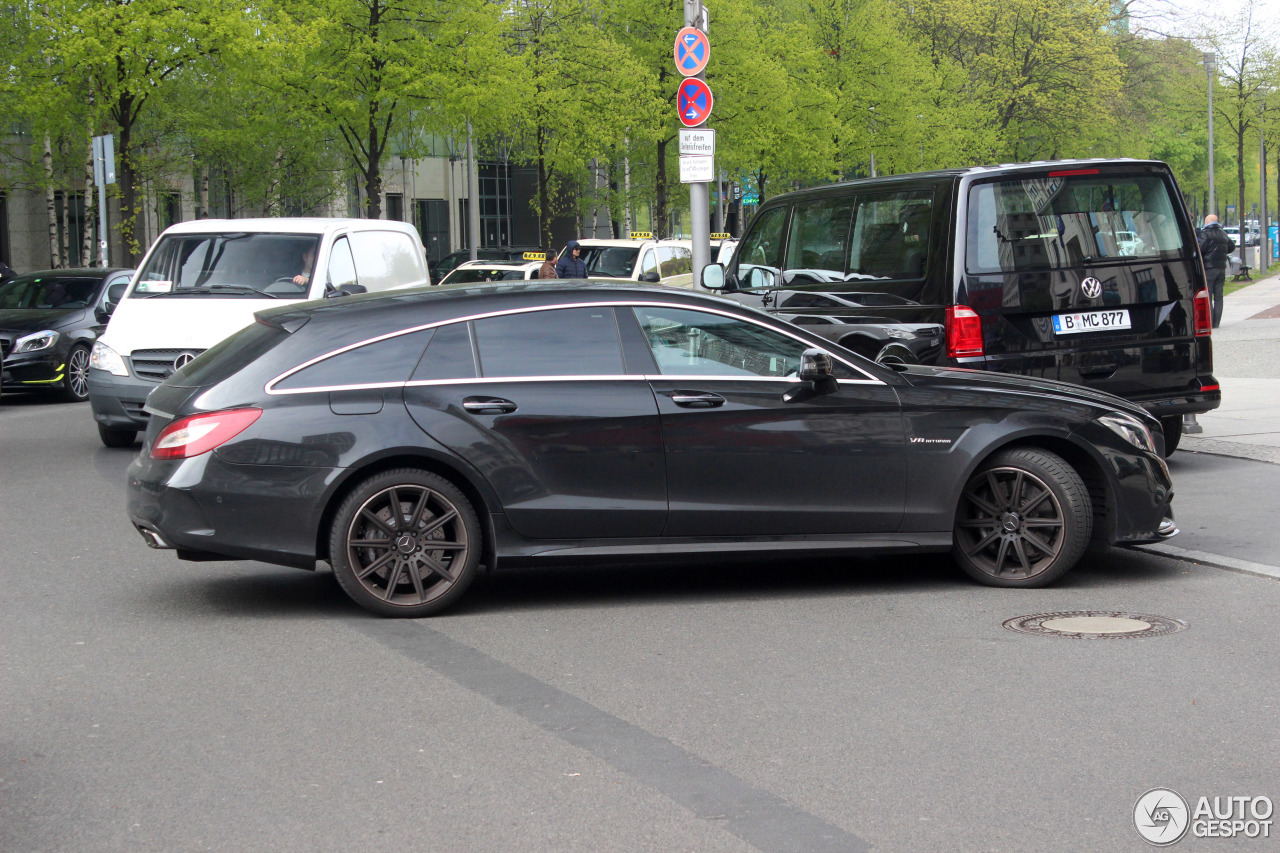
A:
x: 1087, y: 274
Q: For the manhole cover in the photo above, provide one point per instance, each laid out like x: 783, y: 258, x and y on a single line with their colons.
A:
x: 1095, y: 625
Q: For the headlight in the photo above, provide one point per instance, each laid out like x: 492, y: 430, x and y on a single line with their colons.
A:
x: 1131, y: 430
x: 105, y: 358
x: 35, y: 342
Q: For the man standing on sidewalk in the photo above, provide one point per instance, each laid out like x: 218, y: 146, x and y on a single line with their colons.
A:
x: 1215, y: 246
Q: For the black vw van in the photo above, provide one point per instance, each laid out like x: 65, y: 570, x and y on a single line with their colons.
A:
x: 1084, y: 271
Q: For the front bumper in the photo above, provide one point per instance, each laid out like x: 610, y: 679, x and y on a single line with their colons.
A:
x: 44, y: 369
x: 118, y: 401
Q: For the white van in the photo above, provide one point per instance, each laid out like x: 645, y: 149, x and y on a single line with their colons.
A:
x: 203, y: 280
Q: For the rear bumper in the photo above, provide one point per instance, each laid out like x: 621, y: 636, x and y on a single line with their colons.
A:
x: 1191, y: 403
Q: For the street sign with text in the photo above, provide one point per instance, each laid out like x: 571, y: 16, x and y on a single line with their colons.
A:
x: 697, y: 142
x: 697, y: 170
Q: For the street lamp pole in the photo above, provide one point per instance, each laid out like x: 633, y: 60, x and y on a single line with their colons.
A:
x: 1264, y: 250
x: 1209, y: 66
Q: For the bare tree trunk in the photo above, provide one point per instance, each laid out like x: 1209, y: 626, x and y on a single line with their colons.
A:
x: 626, y: 188
x: 51, y: 207
x: 660, y: 207
x: 270, y: 202
x: 90, y: 211
x: 63, y: 255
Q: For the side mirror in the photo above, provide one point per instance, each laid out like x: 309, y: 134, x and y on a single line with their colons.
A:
x: 114, y: 294
x: 331, y: 292
x: 652, y: 278
x: 817, y: 369
x: 713, y: 277
x: 761, y: 277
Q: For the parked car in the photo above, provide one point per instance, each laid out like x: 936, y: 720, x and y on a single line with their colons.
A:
x: 1085, y: 271
x: 49, y: 321
x: 202, y: 280
x: 640, y: 258
x: 414, y: 441
x: 504, y: 254
x: 471, y: 272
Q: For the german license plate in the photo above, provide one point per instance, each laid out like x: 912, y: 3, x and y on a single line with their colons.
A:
x: 1091, y: 321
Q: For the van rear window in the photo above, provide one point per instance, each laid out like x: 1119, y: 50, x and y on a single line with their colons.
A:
x: 1069, y: 221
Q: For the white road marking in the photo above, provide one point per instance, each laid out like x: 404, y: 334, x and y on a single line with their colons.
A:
x: 1215, y: 560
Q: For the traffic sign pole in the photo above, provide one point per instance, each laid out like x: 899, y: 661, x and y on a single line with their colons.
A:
x: 699, y: 193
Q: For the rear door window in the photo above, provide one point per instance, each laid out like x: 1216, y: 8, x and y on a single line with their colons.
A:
x: 562, y: 342
x: 890, y: 236
x: 1049, y: 223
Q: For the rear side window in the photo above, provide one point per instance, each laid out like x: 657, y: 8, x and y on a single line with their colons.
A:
x: 890, y: 236
x: 388, y: 361
x: 387, y: 259
x: 1068, y: 221
x: 563, y: 342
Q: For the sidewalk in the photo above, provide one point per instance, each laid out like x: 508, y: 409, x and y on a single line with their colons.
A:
x: 1246, y: 361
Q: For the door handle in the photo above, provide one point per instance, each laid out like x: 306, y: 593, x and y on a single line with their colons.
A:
x: 697, y: 399
x: 488, y: 405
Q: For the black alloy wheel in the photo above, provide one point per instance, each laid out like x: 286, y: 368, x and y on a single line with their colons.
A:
x: 1023, y: 521
x: 405, y: 543
x: 75, y: 387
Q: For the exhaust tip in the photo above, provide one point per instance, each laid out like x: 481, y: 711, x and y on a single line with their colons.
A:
x: 154, y: 540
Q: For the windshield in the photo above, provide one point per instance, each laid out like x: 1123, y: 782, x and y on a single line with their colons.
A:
x: 613, y: 261
x: 1067, y: 221
x: 275, y: 265
x: 33, y: 291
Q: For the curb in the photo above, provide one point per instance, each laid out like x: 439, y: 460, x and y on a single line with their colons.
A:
x: 1216, y: 561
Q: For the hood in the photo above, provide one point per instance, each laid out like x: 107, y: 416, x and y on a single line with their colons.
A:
x: 922, y: 376
x: 184, y: 322
x: 26, y: 320
x: 571, y: 245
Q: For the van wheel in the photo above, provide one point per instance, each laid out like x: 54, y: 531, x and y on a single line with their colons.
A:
x: 1172, y: 427
x: 116, y: 437
x: 405, y: 543
x: 1023, y: 521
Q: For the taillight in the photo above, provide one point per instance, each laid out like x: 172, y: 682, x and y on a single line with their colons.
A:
x: 199, y: 434
x: 1202, y: 311
x: 964, y: 332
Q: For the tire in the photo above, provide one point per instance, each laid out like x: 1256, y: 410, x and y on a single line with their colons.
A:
x: 413, y: 562
x: 75, y: 386
x: 1023, y: 520
x: 117, y: 437
x: 1172, y: 427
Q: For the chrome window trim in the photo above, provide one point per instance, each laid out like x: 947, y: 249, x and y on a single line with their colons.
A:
x: 271, y: 390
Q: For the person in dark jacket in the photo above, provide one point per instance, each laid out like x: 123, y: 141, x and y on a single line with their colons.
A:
x: 571, y: 264
x: 1215, y: 246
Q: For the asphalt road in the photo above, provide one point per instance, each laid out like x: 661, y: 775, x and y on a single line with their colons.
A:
x: 152, y: 705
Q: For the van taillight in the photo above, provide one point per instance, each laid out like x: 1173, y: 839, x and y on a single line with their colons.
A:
x: 964, y: 332
x: 1203, y: 313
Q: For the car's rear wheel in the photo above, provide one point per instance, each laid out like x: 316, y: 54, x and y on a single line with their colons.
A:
x: 405, y: 543
x: 1024, y: 519
x: 75, y: 387
x: 1172, y: 427
x: 116, y: 437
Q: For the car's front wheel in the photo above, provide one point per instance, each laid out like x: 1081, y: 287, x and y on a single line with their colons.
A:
x: 405, y: 543
x: 1172, y: 427
x: 1024, y: 519
x: 75, y: 387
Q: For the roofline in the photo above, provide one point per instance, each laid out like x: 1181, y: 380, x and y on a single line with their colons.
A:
x: 287, y: 225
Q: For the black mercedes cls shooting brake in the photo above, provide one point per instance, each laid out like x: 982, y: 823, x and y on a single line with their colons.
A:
x: 415, y: 439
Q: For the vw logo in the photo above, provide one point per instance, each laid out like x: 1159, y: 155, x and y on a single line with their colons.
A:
x: 1092, y: 287
x: 183, y: 359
